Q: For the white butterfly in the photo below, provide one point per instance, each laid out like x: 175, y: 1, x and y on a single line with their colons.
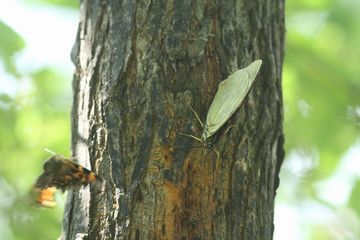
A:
x: 228, y: 98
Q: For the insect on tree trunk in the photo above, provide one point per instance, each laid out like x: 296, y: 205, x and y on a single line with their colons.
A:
x: 139, y: 64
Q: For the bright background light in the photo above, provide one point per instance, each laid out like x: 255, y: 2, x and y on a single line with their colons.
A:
x: 301, y: 213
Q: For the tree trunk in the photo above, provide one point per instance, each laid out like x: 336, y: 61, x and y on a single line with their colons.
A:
x: 138, y: 65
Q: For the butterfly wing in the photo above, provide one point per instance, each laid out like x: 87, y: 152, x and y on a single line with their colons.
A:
x: 75, y: 175
x: 45, y: 197
x: 228, y: 98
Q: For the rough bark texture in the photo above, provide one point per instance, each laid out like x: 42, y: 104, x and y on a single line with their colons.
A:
x: 138, y: 65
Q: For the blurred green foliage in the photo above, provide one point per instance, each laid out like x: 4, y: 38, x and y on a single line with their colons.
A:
x: 10, y: 43
x: 34, y: 114
x: 321, y: 85
x: 321, y: 89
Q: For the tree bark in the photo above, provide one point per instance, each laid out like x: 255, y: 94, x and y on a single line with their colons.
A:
x: 138, y: 65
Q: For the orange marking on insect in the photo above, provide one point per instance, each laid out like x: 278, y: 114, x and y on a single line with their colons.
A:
x: 45, y: 197
x: 78, y: 175
x: 91, y: 177
x: 67, y: 177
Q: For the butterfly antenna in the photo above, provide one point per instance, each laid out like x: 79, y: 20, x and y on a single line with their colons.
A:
x: 50, y: 151
x: 196, y: 115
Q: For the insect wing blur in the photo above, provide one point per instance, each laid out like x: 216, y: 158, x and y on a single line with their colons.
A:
x: 228, y: 98
x: 63, y: 174
x: 60, y: 173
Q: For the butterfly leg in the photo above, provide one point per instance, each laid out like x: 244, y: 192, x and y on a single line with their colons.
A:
x: 216, y: 165
x: 191, y: 136
x: 216, y: 152
x: 228, y: 129
x: 217, y: 155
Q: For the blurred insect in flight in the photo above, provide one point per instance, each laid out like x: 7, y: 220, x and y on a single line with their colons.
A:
x: 60, y: 173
